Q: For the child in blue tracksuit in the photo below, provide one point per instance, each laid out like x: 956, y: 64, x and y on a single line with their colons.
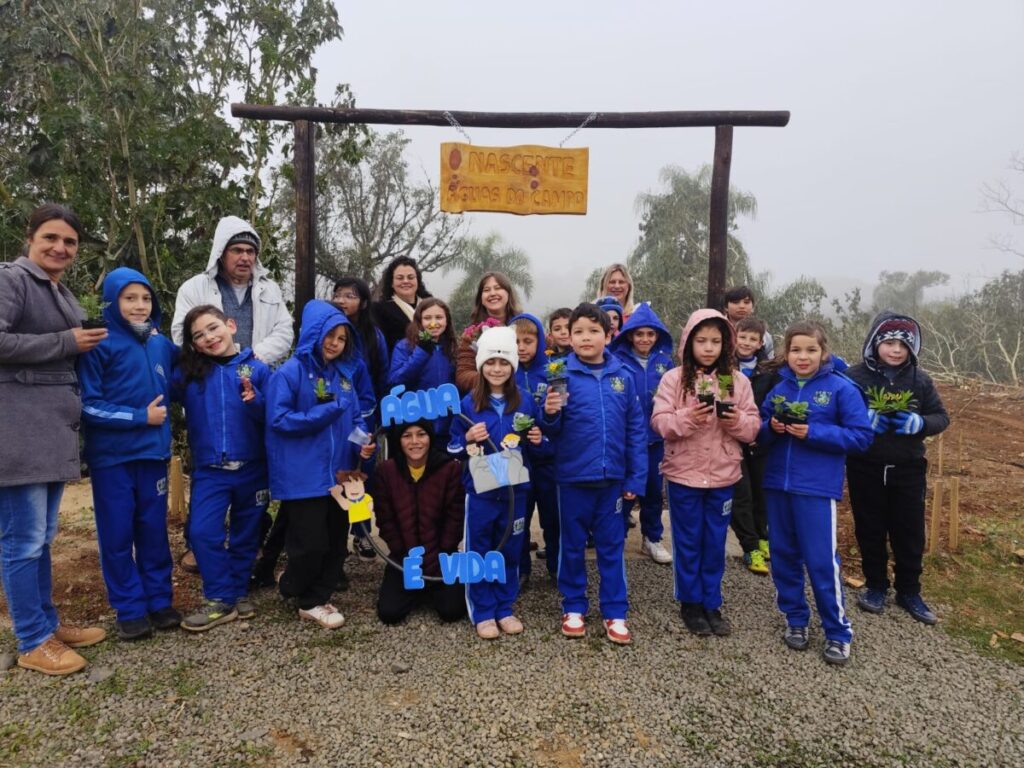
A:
x: 532, y: 378
x: 645, y: 346
x: 600, y: 459
x: 426, y: 357
x: 492, y: 407
x: 125, y: 390
x: 222, y: 389
x: 312, y: 407
x: 803, y: 480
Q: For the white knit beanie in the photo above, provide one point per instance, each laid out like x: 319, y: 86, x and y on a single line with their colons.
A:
x: 497, y: 341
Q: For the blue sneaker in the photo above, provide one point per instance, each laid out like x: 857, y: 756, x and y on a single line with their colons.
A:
x: 872, y: 600
x: 917, y: 608
x: 836, y: 652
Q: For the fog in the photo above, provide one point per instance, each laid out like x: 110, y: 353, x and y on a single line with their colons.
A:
x: 900, y: 113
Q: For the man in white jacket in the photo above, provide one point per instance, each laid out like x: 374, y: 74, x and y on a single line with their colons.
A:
x: 235, y: 281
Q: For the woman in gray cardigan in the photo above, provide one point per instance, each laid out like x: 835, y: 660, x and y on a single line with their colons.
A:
x: 40, y: 337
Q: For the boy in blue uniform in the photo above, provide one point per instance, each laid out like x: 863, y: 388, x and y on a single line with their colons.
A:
x: 125, y: 389
x: 601, y: 459
x: 645, y: 346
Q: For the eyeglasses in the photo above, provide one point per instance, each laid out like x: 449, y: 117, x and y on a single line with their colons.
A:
x: 242, y: 250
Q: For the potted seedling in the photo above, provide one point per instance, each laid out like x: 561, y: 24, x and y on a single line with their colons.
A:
x: 723, y: 405
x: 704, y: 394
x: 558, y: 380
x: 323, y: 395
x: 787, y: 412
x: 881, y: 400
x: 93, y: 306
x: 245, y: 376
x: 521, y: 422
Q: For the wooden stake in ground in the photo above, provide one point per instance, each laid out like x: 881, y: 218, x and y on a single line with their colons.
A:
x: 940, y: 456
x: 933, y: 531
x: 960, y: 452
x: 176, y: 496
x: 954, y: 514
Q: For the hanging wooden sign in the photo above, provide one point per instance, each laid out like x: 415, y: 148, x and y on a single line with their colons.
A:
x: 523, y: 179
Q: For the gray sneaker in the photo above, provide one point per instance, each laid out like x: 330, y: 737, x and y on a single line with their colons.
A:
x: 836, y: 652
x: 246, y: 608
x: 212, y: 613
x: 796, y: 638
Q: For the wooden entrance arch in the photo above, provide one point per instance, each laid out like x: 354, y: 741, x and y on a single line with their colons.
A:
x: 303, y: 119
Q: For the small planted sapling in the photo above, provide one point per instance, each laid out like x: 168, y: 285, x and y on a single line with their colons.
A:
x: 704, y: 394
x: 725, y: 390
x: 245, y: 376
x: 521, y: 422
x: 881, y: 400
x: 93, y: 307
x: 558, y: 380
x: 323, y: 395
x: 788, y: 412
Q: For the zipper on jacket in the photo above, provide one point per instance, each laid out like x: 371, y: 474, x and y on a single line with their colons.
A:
x: 223, y: 418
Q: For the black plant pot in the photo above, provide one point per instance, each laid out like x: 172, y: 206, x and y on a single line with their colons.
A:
x: 93, y: 323
x: 788, y: 418
x: 706, y: 399
x: 328, y: 398
x: 723, y: 408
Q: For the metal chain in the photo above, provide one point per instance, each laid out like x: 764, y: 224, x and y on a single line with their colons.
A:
x: 579, y: 128
x: 455, y: 124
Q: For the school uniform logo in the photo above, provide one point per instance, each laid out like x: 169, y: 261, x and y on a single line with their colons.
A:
x: 822, y: 397
x: 160, y: 370
x: 161, y: 486
x: 618, y: 384
x: 661, y: 368
x: 727, y: 508
x: 346, y: 385
x: 618, y: 506
x: 542, y: 389
x: 263, y: 497
x: 518, y: 526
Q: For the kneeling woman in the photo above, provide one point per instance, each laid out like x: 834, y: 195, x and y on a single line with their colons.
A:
x: 419, y: 502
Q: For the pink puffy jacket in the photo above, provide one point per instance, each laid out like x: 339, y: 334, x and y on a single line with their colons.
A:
x: 703, y: 455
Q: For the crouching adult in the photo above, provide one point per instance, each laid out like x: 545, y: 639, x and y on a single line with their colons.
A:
x: 419, y: 502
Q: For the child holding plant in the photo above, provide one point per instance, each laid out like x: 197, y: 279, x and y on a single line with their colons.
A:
x: 125, y: 384
x: 495, y: 408
x: 312, y: 408
x: 887, y: 484
x: 811, y: 419
x: 703, y: 442
x: 222, y: 388
x: 645, y: 346
x: 425, y: 358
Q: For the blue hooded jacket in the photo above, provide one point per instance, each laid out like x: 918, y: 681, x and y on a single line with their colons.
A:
x: 221, y: 426
x: 307, y: 441
x: 659, y: 360
x: 533, y: 378
x: 120, y: 377
x: 416, y: 369
x: 837, y: 424
x: 600, y: 434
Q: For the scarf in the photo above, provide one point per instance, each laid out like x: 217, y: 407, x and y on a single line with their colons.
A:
x: 405, y: 306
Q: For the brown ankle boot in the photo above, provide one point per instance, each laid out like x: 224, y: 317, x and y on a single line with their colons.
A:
x: 79, y: 637
x: 52, y: 658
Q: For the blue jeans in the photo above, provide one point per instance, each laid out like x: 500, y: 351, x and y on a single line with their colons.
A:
x: 28, y: 523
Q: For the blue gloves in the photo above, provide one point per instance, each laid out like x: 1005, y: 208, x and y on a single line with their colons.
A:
x: 906, y: 423
x: 880, y: 422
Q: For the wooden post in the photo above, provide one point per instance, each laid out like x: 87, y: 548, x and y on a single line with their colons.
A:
x: 305, y: 217
x: 954, y: 514
x: 933, y: 531
x: 940, y: 456
x: 960, y: 452
x: 176, y: 489
x: 718, y: 223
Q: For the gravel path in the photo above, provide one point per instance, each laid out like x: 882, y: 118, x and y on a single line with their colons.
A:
x: 274, y: 691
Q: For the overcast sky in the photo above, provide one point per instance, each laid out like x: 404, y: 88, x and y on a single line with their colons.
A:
x: 900, y: 112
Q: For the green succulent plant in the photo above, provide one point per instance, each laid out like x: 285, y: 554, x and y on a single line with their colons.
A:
x: 882, y: 400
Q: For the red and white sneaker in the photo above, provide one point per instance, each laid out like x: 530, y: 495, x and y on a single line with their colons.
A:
x: 573, y: 625
x: 617, y: 631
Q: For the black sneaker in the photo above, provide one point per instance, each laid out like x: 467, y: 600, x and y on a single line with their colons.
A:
x: 542, y: 553
x: 917, y: 608
x: 872, y: 600
x: 694, y: 619
x: 262, y: 577
x: 134, y: 629
x: 363, y: 548
x: 165, y: 618
x: 836, y: 652
x: 342, y: 585
x: 720, y: 625
x: 796, y: 638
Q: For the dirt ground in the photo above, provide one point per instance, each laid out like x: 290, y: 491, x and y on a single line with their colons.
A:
x: 983, y: 447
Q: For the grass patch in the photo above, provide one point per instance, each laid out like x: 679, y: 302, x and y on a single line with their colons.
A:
x: 984, y: 587
x: 16, y: 739
x: 134, y: 753
x: 75, y: 708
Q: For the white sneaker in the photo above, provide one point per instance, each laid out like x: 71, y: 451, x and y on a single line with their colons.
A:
x: 326, y: 616
x: 655, y: 551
